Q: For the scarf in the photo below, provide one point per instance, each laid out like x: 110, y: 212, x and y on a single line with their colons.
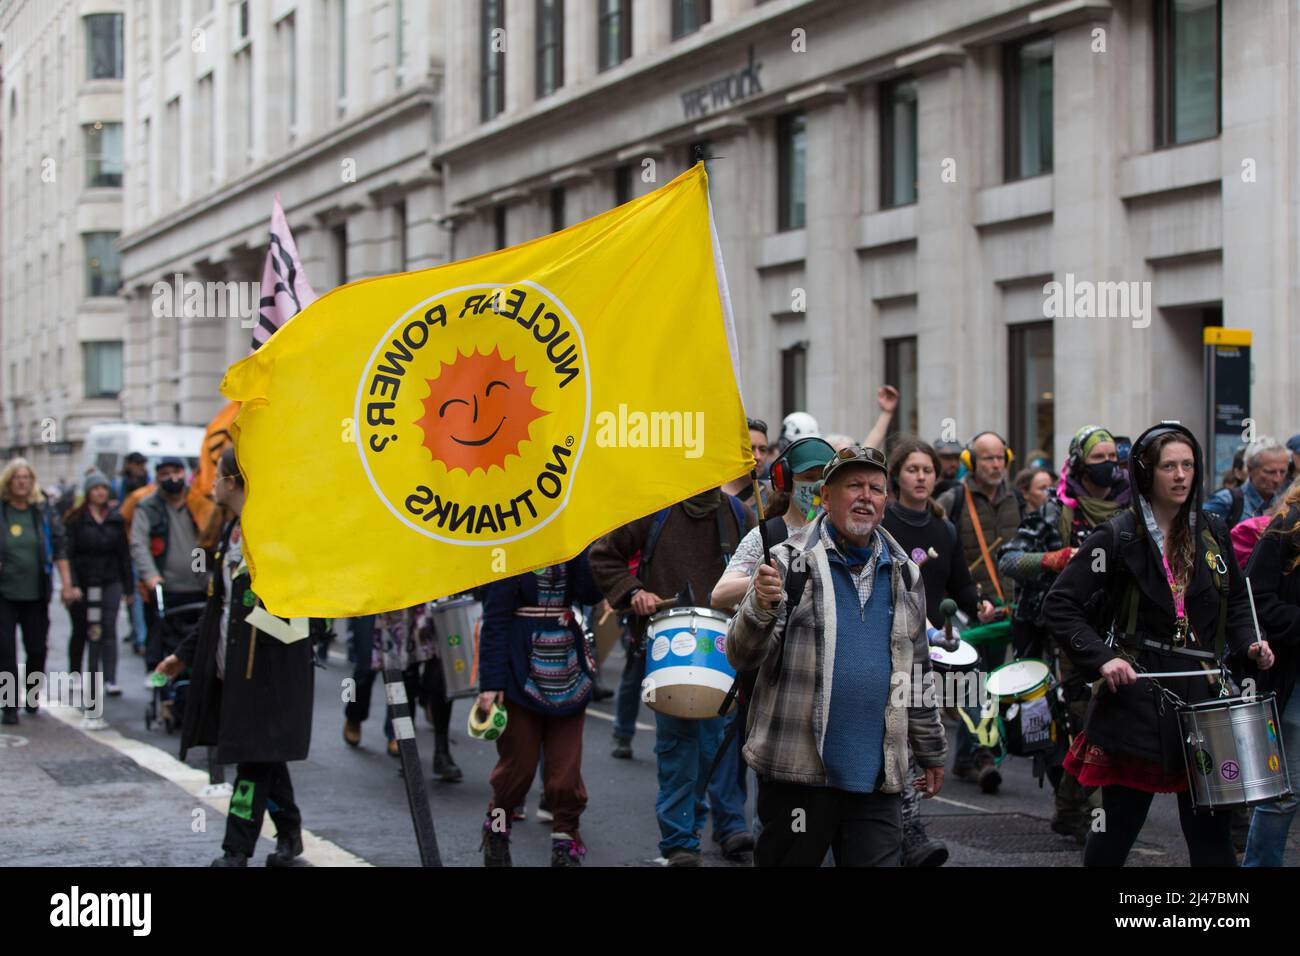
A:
x: 702, y: 505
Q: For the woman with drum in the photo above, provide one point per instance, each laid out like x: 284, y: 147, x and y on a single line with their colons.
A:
x: 534, y: 661
x: 1274, y: 573
x: 1160, y: 576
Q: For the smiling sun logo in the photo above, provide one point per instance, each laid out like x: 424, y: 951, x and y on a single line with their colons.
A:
x: 478, y: 412
x: 472, y: 413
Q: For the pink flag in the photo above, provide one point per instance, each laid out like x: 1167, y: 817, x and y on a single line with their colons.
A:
x: 285, y: 290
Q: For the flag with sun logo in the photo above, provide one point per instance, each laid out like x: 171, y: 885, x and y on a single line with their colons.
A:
x: 416, y: 435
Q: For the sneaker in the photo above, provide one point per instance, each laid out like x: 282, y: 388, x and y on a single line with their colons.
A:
x: 601, y: 694
x: 393, y: 749
x: 287, y: 849
x: 737, y: 847
x: 1077, y: 830
x: 444, y: 768
x: 680, y: 856
x: 9, y: 718
x: 622, y: 748
x: 988, y: 776
x: 351, y: 733
x: 112, y: 690
x: 566, y: 851
x: 520, y: 812
x: 495, y: 847
x: 919, y: 850
x: 544, y: 814
x: 94, y: 723
x: 230, y: 859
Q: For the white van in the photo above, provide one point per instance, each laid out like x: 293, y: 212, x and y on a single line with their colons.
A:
x: 108, y: 444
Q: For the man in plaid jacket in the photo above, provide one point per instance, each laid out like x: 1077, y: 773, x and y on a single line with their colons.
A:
x: 844, y: 682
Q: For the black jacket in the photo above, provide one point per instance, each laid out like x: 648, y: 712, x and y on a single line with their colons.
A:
x: 265, y: 718
x: 98, y: 553
x: 1137, y: 719
x: 1277, y: 601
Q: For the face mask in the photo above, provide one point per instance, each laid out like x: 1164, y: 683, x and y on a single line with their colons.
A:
x: 172, y: 486
x: 1104, y: 474
x: 805, y: 495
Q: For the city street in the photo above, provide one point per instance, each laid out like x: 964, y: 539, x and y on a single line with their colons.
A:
x: 119, y: 797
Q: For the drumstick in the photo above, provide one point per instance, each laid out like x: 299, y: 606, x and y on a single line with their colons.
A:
x: 996, y: 541
x: 1200, y: 673
x: 1250, y: 593
x: 604, y: 617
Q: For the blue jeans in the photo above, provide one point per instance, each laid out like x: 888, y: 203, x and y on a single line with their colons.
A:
x: 1271, y: 822
x: 139, y: 628
x: 685, y: 750
x: 627, y: 703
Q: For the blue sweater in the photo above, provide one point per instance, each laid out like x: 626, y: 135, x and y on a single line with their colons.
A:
x: 853, y: 749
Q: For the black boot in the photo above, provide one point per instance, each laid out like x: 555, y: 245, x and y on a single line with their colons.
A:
x: 287, y: 849
x: 444, y: 768
x: 230, y: 858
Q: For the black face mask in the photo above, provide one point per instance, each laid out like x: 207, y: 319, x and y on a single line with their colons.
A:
x: 172, y: 486
x: 1104, y: 474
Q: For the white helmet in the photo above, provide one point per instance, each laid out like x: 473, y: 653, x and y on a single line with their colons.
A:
x: 798, y: 425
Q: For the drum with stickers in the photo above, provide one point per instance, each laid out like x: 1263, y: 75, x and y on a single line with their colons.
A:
x: 686, y: 669
x: 1233, y: 749
x: 456, y: 621
x: 962, y: 660
x: 1024, y: 711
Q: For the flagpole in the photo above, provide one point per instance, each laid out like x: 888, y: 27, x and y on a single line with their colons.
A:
x: 399, y: 713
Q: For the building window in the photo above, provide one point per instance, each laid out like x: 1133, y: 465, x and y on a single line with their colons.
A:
x: 622, y: 185
x: 244, y: 79
x: 341, y: 39
x: 104, y: 46
x: 243, y: 19
x: 900, y: 371
x: 492, y: 67
x: 550, y: 46
x: 794, y: 378
x: 399, y: 225
x: 558, y: 209
x: 287, y: 33
x: 1032, y: 391
x: 898, y: 143
x: 103, y: 154
x: 399, y: 41
x: 103, y: 275
x: 689, y: 16
x: 339, y: 234
x: 791, y: 148
x: 1188, y: 64
x: 102, y: 363
x: 1027, y: 73
x: 205, y: 133
x: 613, y: 32
x: 499, y: 227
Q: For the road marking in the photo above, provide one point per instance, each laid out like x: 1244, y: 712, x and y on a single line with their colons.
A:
x: 316, y: 850
x: 610, y: 717
x: 964, y: 806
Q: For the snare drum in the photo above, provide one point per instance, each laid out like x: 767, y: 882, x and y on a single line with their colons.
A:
x: 456, y: 621
x: 1233, y: 749
x: 1024, y: 712
x: 686, y: 669
x: 965, y: 658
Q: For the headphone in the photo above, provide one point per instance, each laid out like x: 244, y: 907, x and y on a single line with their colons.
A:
x: 1074, y: 463
x: 1141, y: 470
x: 968, y: 456
x: 780, y: 473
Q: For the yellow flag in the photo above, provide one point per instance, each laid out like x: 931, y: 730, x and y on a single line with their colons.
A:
x: 416, y: 435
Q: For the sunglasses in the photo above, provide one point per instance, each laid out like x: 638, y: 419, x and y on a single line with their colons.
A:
x: 872, y: 456
x: 757, y: 425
